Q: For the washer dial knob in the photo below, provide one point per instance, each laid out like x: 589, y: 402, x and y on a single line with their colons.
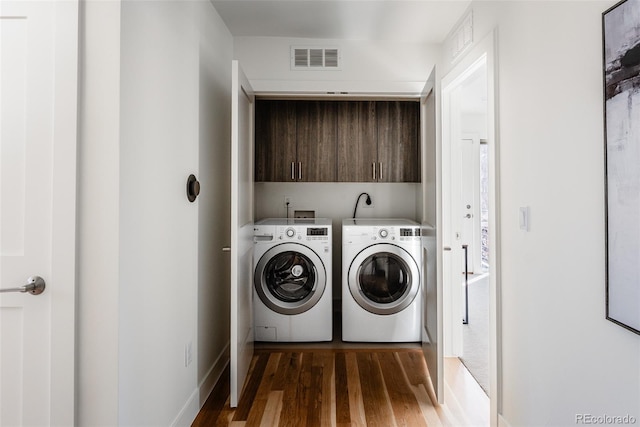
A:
x: 383, y: 233
x: 290, y: 232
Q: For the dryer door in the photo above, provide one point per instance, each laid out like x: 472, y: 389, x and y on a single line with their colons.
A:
x: 384, y: 279
x: 290, y: 278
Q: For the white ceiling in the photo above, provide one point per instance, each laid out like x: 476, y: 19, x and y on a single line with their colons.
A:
x: 422, y: 21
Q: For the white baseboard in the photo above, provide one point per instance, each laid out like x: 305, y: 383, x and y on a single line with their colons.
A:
x: 213, y: 375
x: 502, y: 422
x: 188, y: 413
x: 199, y: 396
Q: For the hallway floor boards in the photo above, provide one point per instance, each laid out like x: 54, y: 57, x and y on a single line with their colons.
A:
x: 386, y: 386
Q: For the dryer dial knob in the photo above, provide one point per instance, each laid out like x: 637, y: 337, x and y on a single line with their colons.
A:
x: 290, y: 232
x: 383, y: 233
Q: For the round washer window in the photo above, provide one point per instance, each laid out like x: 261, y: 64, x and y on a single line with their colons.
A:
x: 290, y: 276
x: 384, y: 277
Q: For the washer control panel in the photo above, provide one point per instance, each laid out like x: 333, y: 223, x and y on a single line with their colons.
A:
x: 294, y: 233
x: 316, y: 233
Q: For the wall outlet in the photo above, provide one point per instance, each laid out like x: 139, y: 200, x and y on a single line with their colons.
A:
x: 188, y: 354
x: 287, y: 201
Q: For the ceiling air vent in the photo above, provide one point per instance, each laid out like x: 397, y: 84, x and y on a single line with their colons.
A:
x: 314, y: 58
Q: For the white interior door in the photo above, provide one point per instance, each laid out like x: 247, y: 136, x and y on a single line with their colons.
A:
x: 38, y: 110
x: 431, y: 239
x: 242, y: 130
x: 453, y: 256
x: 470, y: 200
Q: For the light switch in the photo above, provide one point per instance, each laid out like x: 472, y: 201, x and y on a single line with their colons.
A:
x: 523, y: 215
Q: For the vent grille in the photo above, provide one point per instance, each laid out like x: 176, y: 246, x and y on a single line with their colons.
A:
x: 331, y: 58
x: 463, y: 36
x: 315, y: 58
x: 301, y: 58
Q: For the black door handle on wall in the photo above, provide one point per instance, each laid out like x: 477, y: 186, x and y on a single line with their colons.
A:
x: 193, y: 188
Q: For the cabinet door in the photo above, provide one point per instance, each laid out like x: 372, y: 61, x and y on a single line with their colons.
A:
x: 398, y: 142
x: 357, y: 141
x: 317, y: 143
x: 275, y: 141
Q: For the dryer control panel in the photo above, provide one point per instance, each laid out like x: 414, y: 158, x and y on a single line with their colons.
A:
x: 381, y: 233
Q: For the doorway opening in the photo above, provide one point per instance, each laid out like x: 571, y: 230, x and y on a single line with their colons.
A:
x: 469, y: 222
x: 470, y: 208
x: 469, y: 153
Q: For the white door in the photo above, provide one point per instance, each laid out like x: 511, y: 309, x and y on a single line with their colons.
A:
x: 431, y: 239
x: 469, y: 207
x: 242, y: 126
x: 38, y: 110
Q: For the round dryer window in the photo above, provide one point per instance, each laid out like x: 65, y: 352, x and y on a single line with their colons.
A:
x: 290, y: 278
x: 384, y: 279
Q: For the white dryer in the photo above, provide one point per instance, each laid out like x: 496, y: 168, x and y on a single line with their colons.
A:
x: 292, y: 280
x: 381, y: 261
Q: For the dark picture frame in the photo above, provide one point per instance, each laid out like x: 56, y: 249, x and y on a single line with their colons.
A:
x: 621, y: 71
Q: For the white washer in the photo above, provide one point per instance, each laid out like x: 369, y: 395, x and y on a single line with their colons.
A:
x: 381, y: 280
x: 292, y: 280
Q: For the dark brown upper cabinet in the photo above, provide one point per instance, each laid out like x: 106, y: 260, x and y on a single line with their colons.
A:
x: 316, y: 130
x: 295, y: 141
x: 275, y: 141
x: 378, y: 141
x: 337, y: 141
x: 398, y: 141
x: 357, y: 141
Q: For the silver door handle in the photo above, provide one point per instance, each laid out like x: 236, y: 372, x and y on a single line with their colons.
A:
x: 293, y: 171
x: 35, y: 286
x: 380, y: 174
x: 226, y: 249
x: 299, y: 171
x: 373, y: 170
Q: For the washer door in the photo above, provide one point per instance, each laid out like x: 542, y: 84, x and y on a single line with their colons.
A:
x: 290, y: 278
x: 384, y: 279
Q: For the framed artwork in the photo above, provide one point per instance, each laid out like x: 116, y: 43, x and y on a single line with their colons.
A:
x: 621, y: 62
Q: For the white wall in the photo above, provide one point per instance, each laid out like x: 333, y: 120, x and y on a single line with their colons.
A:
x: 98, y: 218
x: 366, y: 67
x: 216, y: 54
x: 158, y: 225
x: 560, y: 357
x: 155, y: 108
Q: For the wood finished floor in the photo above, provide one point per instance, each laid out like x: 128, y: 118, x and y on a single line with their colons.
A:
x: 346, y: 387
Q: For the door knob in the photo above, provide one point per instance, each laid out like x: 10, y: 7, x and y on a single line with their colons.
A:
x: 193, y: 188
x: 35, y: 286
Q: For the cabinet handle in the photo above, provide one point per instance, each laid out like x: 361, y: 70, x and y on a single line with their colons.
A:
x: 293, y: 171
x: 299, y: 171
x: 380, y: 177
x: 373, y: 168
